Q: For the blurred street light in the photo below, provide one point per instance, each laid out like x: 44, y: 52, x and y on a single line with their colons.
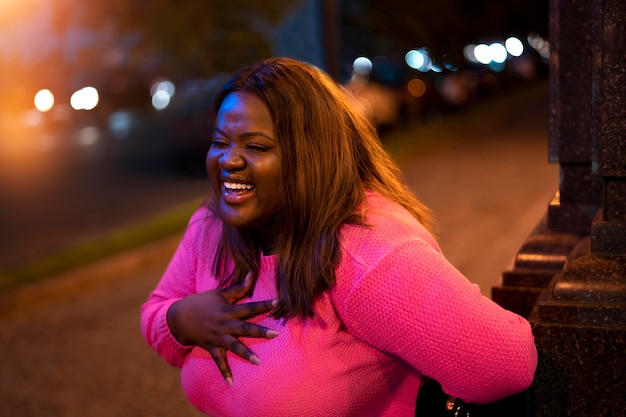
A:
x: 44, y: 100
x: 84, y: 99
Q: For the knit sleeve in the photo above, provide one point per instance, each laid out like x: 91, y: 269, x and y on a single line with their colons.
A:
x: 414, y: 304
x: 177, y: 282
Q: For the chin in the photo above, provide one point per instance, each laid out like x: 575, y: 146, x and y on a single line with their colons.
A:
x: 243, y: 219
x: 234, y: 219
x: 234, y: 222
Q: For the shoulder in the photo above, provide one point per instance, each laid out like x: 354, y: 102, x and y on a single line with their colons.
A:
x: 387, y: 226
x: 203, y: 216
x: 202, y: 224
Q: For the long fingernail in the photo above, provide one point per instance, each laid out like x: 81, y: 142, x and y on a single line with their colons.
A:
x: 229, y: 381
x: 274, y: 303
x: 254, y: 359
x: 271, y: 333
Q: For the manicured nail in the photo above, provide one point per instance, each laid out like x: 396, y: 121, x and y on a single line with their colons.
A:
x: 254, y: 359
x: 229, y: 381
x: 274, y: 303
x: 271, y: 333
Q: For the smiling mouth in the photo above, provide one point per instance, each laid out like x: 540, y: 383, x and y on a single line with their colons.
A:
x: 234, y: 187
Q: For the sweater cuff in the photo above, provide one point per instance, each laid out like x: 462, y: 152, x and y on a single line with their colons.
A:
x: 171, y: 349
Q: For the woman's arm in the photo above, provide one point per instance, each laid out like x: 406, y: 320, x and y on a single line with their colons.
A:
x: 414, y: 304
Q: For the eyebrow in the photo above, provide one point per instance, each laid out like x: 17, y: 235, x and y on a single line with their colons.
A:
x: 245, y: 134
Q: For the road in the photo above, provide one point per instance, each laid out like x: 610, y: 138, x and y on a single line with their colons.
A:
x: 71, y: 345
x: 63, y: 186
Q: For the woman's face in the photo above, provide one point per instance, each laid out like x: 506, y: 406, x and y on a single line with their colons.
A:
x: 243, y: 162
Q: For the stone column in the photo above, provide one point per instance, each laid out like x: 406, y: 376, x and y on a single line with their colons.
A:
x: 569, y: 214
x: 580, y: 319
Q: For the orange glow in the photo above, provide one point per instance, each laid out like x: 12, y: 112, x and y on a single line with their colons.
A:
x: 13, y: 10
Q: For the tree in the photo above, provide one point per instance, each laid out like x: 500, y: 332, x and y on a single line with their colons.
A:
x: 188, y: 38
x: 444, y: 26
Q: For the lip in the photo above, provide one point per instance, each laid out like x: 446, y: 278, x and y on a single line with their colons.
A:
x: 234, y: 178
x: 236, y: 197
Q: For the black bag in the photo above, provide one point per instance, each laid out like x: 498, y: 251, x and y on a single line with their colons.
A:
x: 433, y: 402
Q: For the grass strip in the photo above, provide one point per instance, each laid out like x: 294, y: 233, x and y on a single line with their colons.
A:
x: 157, y: 227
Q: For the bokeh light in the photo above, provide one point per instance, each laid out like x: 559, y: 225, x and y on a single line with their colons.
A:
x: 162, y: 91
x: 418, y: 59
x: 538, y: 43
x: 160, y: 100
x: 120, y: 124
x: 362, y: 65
x: 88, y: 135
x: 514, y: 46
x: 416, y: 87
x: 468, y: 53
x: 450, y: 62
x: 44, y: 100
x: 85, y: 99
x: 498, y: 53
x: 482, y: 53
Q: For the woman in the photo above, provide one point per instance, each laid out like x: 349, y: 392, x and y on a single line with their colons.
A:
x: 315, y: 265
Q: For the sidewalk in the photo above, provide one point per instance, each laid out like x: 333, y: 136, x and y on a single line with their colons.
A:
x: 71, y: 345
x: 488, y: 185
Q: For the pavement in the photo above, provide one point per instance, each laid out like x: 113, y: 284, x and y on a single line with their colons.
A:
x: 70, y: 344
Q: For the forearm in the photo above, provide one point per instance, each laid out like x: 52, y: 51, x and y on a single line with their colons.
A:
x: 177, y: 282
x: 157, y: 333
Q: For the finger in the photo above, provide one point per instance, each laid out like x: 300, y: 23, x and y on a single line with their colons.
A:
x: 246, y: 329
x: 239, y: 349
x: 219, y: 356
x: 246, y: 311
x: 236, y: 292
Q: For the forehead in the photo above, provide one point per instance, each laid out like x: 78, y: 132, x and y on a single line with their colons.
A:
x: 244, y: 108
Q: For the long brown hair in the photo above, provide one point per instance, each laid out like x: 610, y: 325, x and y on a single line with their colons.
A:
x: 329, y: 155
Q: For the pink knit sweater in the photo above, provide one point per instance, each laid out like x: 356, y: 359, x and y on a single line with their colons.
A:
x: 398, y: 310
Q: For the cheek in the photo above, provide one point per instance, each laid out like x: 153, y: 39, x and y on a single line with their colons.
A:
x: 267, y: 173
x: 211, y: 166
x: 273, y: 188
x: 209, y: 158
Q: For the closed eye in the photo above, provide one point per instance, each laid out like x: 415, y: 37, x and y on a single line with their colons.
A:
x: 258, y: 148
x: 218, y: 143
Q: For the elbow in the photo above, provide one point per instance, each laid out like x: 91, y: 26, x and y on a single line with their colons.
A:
x: 528, y: 358
x: 527, y: 372
x: 512, y: 371
x: 517, y: 375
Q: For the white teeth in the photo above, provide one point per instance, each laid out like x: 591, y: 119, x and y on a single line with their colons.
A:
x: 238, y: 186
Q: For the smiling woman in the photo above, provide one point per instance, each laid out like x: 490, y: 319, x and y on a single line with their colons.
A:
x: 243, y: 163
x: 310, y: 222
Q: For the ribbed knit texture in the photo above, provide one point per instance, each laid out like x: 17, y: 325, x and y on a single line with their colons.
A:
x: 399, y: 310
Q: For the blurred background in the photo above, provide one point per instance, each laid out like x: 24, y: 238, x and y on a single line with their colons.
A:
x: 105, y: 105
x: 105, y: 119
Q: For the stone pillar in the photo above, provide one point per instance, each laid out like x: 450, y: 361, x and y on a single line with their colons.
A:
x: 569, y: 277
x: 580, y: 319
x: 569, y: 214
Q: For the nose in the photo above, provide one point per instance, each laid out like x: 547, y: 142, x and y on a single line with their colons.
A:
x: 231, y: 160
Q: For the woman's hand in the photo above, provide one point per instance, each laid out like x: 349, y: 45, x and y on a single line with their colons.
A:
x: 212, y: 321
